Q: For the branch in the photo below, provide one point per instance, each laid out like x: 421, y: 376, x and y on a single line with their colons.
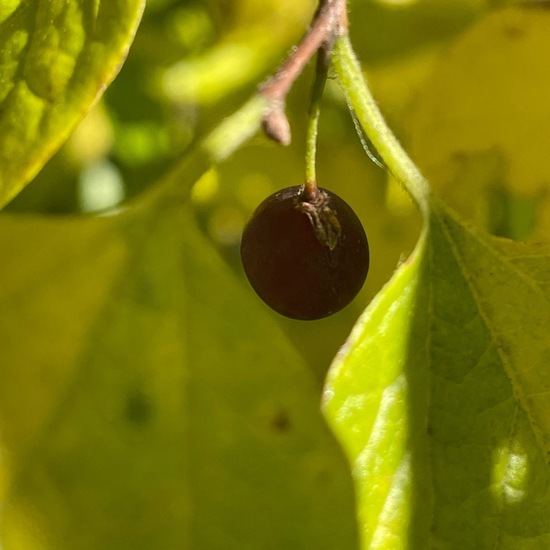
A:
x: 329, y: 22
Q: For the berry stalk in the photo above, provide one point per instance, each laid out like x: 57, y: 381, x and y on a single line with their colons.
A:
x: 323, y: 59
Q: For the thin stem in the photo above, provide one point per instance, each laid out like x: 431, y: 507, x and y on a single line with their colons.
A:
x: 323, y: 60
x: 216, y: 147
x: 361, y: 100
x: 234, y: 130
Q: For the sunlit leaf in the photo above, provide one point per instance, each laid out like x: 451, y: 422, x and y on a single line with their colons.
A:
x: 441, y: 396
x: 56, y: 58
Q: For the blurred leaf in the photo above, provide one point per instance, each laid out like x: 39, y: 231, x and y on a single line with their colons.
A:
x: 155, y: 407
x: 383, y: 30
x: 440, y: 396
x: 479, y: 130
x: 56, y: 59
x: 243, y: 53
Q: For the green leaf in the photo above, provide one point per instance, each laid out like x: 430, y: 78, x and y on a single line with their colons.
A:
x: 440, y: 397
x: 147, y: 402
x: 365, y: 401
x: 56, y: 58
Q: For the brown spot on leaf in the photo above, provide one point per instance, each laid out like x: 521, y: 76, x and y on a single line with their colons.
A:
x: 138, y: 408
x: 280, y: 422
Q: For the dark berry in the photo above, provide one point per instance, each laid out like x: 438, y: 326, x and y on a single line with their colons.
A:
x: 307, y: 258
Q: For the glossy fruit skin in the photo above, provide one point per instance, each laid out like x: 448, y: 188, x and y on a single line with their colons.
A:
x: 305, y: 259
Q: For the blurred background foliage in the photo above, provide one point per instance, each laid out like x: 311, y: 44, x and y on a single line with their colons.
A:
x: 195, y: 61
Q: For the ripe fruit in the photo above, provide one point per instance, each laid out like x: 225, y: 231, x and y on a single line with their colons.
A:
x: 305, y: 256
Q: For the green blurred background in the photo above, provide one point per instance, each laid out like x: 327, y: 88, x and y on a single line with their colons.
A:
x: 194, y: 62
